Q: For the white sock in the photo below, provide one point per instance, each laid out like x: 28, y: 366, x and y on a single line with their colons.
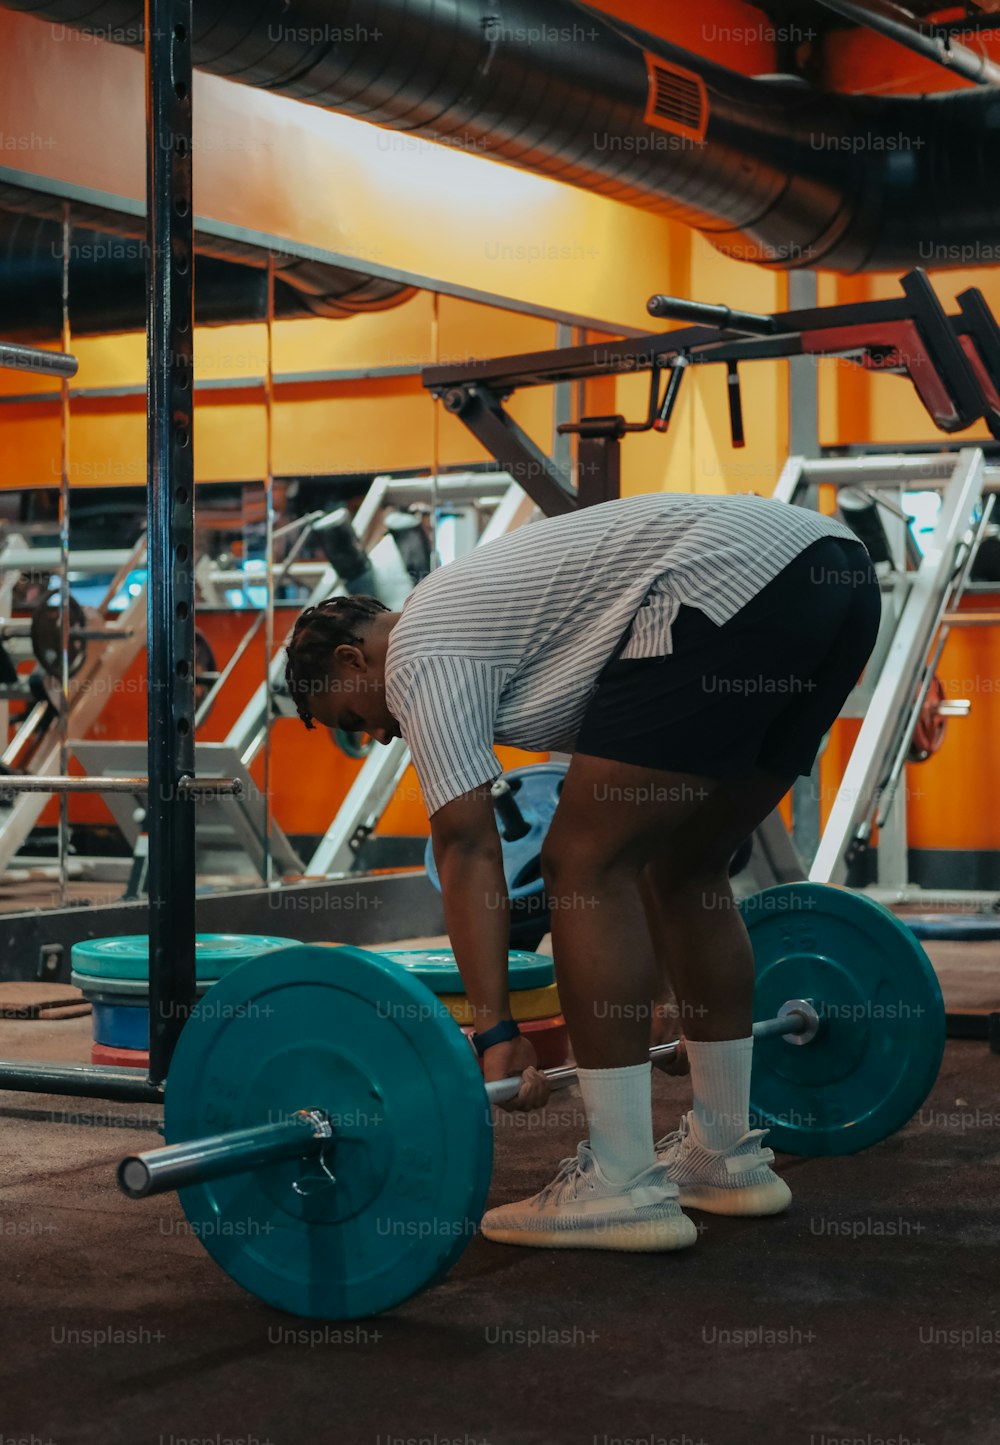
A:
x: 720, y: 1082
x: 619, y: 1105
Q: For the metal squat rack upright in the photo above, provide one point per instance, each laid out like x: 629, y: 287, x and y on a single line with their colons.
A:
x: 172, y: 787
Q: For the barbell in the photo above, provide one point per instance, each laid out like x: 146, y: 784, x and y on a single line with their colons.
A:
x: 329, y: 1131
x: 306, y: 1132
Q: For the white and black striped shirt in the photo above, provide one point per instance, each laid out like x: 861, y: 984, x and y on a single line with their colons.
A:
x: 506, y: 643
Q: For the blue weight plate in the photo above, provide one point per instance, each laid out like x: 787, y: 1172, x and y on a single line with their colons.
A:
x: 120, y: 1025
x: 436, y: 968
x: 128, y: 957
x: 355, y: 1035
x: 538, y: 783
x: 958, y: 927
x: 354, y: 745
x: 882, y: 1036
x: 536, y: 791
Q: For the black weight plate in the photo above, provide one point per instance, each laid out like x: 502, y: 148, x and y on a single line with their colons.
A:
x: 47, y: 638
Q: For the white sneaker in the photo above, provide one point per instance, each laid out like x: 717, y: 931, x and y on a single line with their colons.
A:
x: 581, y: 1209
x: 736, y: 1180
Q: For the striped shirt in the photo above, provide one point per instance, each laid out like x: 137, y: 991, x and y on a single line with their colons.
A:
x: 505, y: 644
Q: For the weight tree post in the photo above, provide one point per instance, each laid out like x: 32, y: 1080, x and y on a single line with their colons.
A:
x: 170, y: 534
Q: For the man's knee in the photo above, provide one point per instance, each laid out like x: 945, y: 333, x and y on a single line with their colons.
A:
x: 676, y: 870
x: 572, y: 860
x: 556, y: 863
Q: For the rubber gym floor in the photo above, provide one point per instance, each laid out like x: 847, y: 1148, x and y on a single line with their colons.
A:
x: 869, y: 1313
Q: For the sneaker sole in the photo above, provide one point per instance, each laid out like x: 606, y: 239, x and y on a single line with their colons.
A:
x: 759, y: 1199
x: 648, y: 1237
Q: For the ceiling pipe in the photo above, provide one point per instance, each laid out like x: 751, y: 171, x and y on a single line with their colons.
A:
x: 900, y: 25
x: 782, y: 175
x: 107, y: 274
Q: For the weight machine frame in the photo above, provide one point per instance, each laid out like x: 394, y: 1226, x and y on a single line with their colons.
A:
x: 919, y: 609
x: 952, y: 361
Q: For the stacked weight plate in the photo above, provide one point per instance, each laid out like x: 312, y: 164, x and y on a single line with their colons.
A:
x: 113, y: 974
x: 534, y: 998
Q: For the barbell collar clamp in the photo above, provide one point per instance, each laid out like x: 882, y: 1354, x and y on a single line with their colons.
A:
x: 159, y: 1171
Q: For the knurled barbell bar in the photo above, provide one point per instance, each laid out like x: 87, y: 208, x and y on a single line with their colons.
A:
x: 330, y: 1134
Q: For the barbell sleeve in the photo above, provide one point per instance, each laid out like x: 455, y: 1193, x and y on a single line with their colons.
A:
x: 798, y: 1017
x: 158, y: 1171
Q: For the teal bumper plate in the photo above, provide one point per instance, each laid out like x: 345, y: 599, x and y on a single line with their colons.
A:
x: 399, y: 1191
x: 882, y: 1031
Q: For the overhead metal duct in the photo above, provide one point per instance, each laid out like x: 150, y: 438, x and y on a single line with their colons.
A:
x: 771, y: 171
x: 107, y: 274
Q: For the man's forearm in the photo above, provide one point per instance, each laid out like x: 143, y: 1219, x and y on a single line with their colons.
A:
x: 477, y: 916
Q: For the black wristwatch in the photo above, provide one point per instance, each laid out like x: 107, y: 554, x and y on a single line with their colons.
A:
x: 500, y: 1033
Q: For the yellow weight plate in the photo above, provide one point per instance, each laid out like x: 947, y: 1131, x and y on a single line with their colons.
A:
x: 527, y: 1005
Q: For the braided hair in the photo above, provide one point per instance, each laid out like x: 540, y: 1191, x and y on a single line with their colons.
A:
x: 318, y: 631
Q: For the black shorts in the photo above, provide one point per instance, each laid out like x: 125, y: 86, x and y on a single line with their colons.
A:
x: 759, y: 692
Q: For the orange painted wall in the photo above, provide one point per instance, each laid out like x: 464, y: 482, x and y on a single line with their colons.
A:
x: 302, y: 177
x: 340, y: 426
x: 696, y: 454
